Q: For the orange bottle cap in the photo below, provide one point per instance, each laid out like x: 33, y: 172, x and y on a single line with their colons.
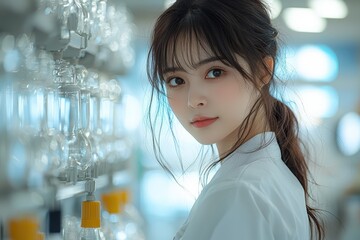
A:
x: 90, y: 214
x: 24, y: 228
x: 111, y: 202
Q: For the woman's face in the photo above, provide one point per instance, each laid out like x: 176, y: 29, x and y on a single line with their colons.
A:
x: 210, y: 99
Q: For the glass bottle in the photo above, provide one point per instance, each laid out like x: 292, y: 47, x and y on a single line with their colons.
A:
x: 121, y: 221
x: 90, y: 221
x: 114, y: 225
x: 71, y: 228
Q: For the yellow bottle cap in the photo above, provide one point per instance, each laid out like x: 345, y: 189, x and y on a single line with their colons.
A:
x: 90, y: 214
x: 24, y: 228
x: 111, y: 202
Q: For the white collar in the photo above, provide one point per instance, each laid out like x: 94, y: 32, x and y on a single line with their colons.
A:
x: 261, y: 145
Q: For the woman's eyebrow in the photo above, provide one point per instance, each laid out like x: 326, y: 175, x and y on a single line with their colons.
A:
x: 196, y: 65
x: 173, y: 69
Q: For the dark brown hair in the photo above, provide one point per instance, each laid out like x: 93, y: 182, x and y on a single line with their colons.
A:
x: 229, y: 28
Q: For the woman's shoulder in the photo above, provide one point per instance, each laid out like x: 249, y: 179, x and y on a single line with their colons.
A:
x: 260, y: 170
x: 256, y: 174
x: 262, y: 187
x: 264, y: 178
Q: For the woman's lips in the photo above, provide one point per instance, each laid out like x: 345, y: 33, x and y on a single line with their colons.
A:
x: 203, y: 122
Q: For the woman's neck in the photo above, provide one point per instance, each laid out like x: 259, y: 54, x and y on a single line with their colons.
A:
x: 259, y: 125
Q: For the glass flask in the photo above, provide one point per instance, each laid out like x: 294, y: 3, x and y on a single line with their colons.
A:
x: 79, y: 147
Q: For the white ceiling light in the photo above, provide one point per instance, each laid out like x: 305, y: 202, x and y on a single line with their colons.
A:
x: 275, y: 8
x: 316, y: 63
x: 304, y: 20
x: 329, y: 8
x: 347, y: 134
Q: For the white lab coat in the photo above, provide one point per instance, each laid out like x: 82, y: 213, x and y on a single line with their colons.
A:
x: 253, y: 196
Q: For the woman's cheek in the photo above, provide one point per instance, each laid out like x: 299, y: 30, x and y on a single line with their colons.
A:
x: 227, y: 92
x: 174, y: 102
x: 170, y: 101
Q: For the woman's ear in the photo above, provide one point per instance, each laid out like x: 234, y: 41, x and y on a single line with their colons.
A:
x: 267, y: 73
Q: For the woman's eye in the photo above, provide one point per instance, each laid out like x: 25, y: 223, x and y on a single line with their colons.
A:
x: 174, y: 82
x: 214, y: 73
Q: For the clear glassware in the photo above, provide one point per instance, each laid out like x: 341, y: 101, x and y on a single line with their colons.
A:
x: 71, y: 228
x: 85, y: 117
x: 104, y: 120
x: 30, y: 109
x: 119, y: 147
x: 91, y: 234
x: 13, y: 162
x: 95, y: 131
x: 19, y: 122
x: 119, y: 41
x: 90, y: 221
x: 54, y: 142
x: 121, y: 220
x: 86, y: 8
x: 91, y: 7
x: 10, y: 159
x: 79, y: 156
x: 101, y: 28
x: 113, y: 225
x: 76, y: 19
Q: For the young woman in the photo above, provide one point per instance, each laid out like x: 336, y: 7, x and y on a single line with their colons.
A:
x: 214, y: 60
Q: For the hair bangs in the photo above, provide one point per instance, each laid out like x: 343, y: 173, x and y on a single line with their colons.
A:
x: 183, y: 49
x: 181, y: 46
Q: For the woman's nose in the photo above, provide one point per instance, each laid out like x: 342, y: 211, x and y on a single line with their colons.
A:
x: 196, y: 97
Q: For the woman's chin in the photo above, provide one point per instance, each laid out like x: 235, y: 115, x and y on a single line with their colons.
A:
x: 204, y: 141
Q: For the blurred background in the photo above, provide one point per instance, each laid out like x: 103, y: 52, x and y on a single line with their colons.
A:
x: 74, y: 98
